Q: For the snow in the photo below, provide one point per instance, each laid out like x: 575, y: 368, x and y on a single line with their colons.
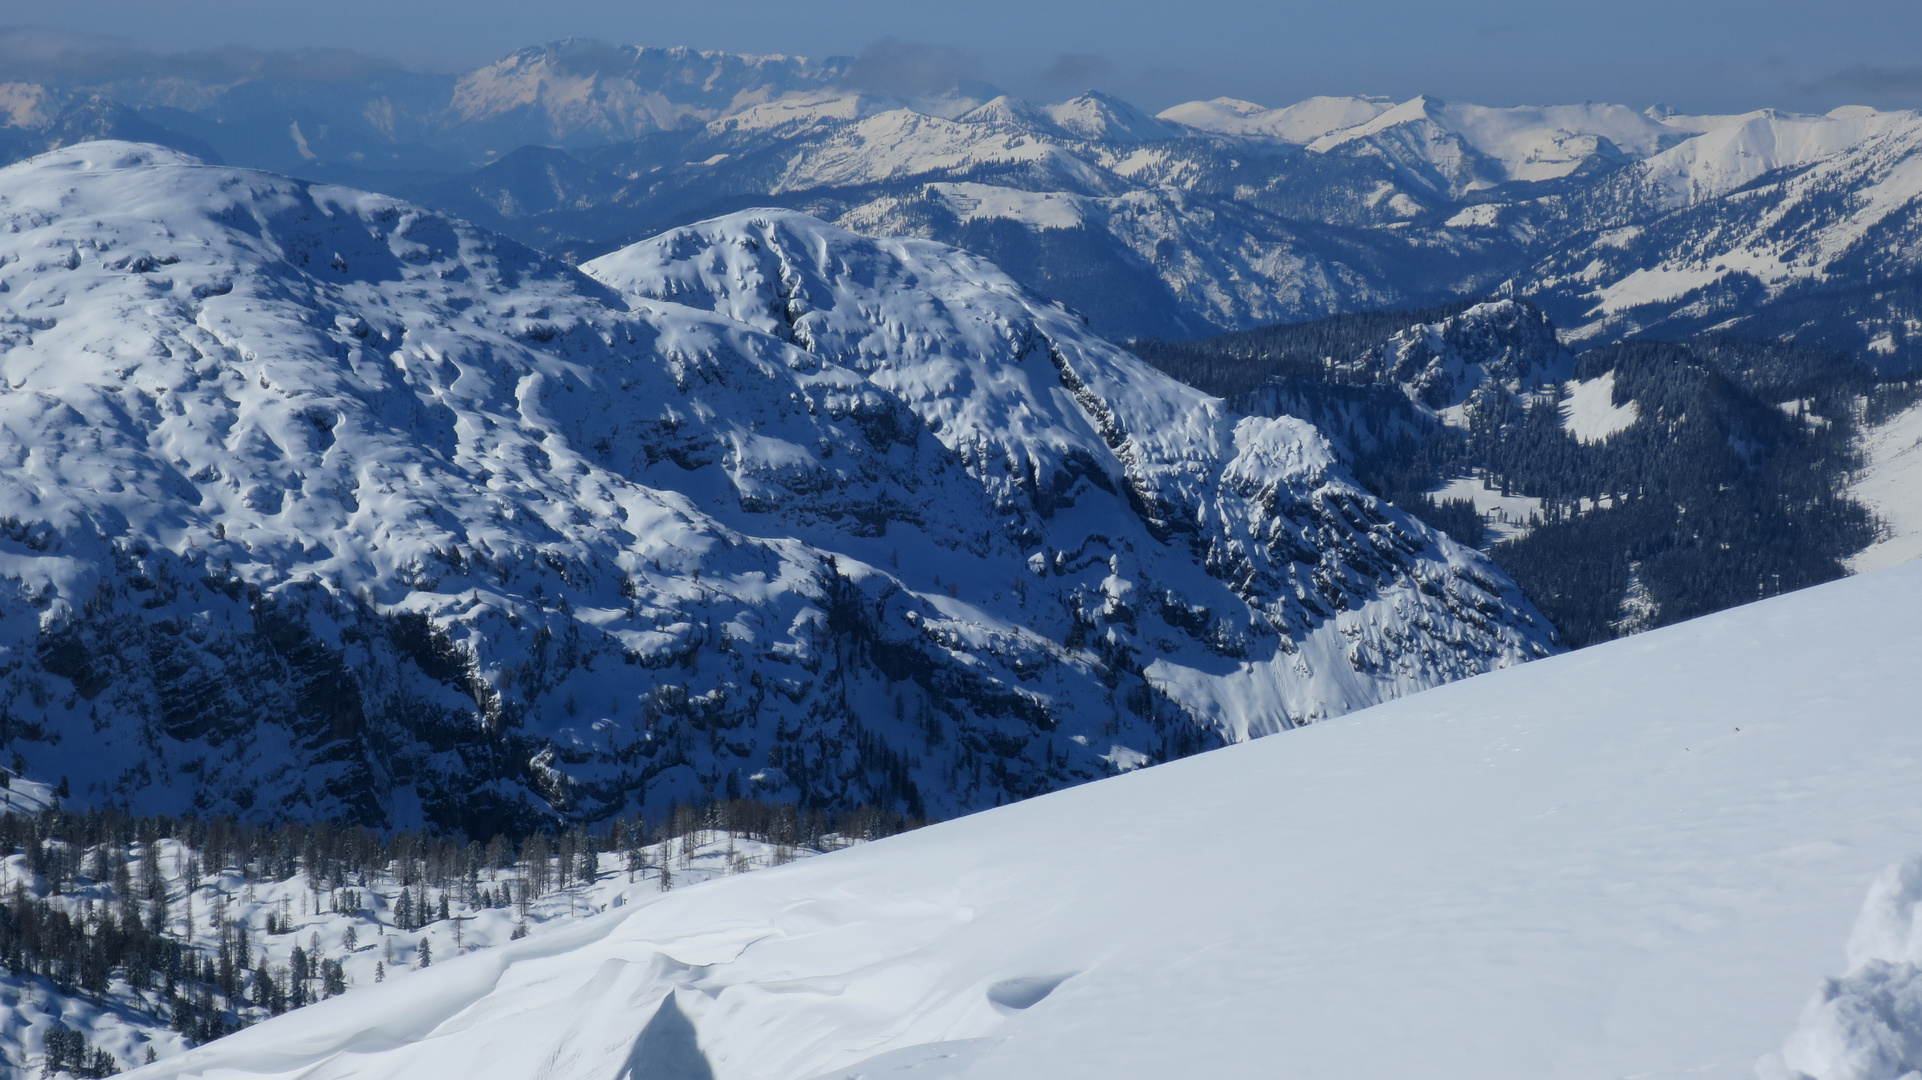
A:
x: 902, y: 142
x: 1838, y: 213
x: 1506, y: 517
x: 1589, y: 411
x: 1302, y: 122
x: 862, y: 321
x: 1225, y: 268
x: 126, y: 1021
x: 1479, y: 216
x: 579, y: 91
x: 1729, y: 151
x: 27, y: 105
x: 1867, y: 1024
x: 1640, y: 859
x: 640, y: 516
x: 1498, y: 344
x: 1040, y: 209
x: 1095, y: 115
x: 1528, y: 143
x: 1890, y: 485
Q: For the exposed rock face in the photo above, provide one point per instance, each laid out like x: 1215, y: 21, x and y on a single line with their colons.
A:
x: 319, y: 504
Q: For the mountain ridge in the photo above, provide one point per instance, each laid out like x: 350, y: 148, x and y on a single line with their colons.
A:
x: 1245, y: 216
x: 342, y: 508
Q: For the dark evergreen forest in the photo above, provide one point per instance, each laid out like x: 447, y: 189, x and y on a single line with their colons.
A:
x: 1726, y: 488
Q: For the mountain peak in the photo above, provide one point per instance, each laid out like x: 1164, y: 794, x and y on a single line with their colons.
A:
x: 1106, y: 118
x: 1302, y: 122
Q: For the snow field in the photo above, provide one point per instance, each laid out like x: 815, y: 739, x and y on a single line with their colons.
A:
x: 1636, y: 860
x: 1505, y: 517
x: 1589, y: 411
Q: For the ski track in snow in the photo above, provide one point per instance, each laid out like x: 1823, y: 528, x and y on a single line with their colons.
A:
x: 1636, y: 860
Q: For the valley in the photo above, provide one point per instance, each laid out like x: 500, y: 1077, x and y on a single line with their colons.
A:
x: 665, y: 564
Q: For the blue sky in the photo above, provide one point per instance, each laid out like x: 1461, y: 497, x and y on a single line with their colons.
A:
x: 1698, y: 55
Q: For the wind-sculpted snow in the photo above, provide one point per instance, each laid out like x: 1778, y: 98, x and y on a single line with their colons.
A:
x: 1633, y: 860
x: 1867, y: 1024
x: 320, y: 504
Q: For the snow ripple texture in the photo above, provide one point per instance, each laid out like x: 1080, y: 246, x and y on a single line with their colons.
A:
x: 317, y: 503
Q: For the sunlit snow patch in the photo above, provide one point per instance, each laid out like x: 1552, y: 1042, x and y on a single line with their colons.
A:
x: 1590, y: 414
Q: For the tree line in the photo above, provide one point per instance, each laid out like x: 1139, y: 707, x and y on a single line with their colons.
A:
x: 101, y: 903
x: 1715, y: 495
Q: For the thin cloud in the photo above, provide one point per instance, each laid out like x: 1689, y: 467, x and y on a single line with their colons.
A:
x: 909, y: 69
x: 1871, y: 81
x: 1077, y: 68
x: 33, y: 54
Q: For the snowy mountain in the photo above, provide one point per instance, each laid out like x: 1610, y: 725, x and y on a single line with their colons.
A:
x: 1156, y: 262
x: 1213, y: 216
x: 579, y: 91
x: 1302, y: 122
x: 1640, y: 859
x: 1808, y: 250
x: 1727, y: 152
x: 1104, y: 118
x: 1464, y: 148
x: 1216, y: 215
x: 322, y: 505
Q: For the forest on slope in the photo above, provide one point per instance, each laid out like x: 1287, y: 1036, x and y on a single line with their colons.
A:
x: 1721, y: 480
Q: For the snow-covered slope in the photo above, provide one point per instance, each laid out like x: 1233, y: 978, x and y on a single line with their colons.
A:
x: 1846, y: 218
x: 1727, y: 152
x: 1215, y: 265
x: 1302, y: 122
x: 378, y: 927
x: 579, y: 91
x: 1106, y: 118
x: 1890, y: 485
x: 1635, y: 860
x: 1468, y: 147
x: 318, y: 504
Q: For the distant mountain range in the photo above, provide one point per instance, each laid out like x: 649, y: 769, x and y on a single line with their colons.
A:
x: 1211, y: 216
